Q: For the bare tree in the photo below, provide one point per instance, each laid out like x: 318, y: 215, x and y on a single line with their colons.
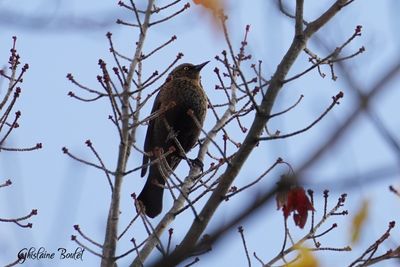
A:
x: 9, y: 123
x: 227, y: 144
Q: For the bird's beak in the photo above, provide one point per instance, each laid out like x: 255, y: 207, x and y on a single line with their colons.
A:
x: 200, y: 66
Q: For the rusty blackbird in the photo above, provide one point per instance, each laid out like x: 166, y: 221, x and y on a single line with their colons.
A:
x: 181, y: 92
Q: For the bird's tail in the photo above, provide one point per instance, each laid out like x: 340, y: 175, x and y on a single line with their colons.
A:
x: 152, y: 195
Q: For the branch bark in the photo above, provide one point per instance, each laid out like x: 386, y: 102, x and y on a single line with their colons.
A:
x: 111, y: 237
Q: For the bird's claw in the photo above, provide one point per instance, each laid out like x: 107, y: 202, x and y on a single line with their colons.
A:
x: 196, y: 162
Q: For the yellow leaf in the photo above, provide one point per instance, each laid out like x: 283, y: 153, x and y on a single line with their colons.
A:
x: 358, y: 222
x: 214, y: 5
x: 306, y: 259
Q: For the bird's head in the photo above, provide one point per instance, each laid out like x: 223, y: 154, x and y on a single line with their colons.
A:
x: 187, y: 70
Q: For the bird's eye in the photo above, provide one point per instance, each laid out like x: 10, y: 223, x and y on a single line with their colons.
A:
x: 185, y: 68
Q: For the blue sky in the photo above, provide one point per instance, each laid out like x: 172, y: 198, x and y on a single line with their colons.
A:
x: 67, y: 193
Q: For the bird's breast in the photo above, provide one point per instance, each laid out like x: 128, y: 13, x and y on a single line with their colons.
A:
x: 187, y: 94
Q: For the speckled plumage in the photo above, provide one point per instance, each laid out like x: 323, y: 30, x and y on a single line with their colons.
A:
x: 183, y: 88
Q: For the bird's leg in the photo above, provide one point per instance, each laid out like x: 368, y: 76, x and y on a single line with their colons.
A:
x: 172, y: 134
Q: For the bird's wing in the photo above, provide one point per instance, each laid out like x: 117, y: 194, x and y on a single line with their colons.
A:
x: 148, y: 146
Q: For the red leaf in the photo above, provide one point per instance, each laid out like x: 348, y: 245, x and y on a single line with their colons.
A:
x: 296, y: 201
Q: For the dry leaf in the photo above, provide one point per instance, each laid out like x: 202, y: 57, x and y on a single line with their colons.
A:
x: 295, y: 200
x: 358, y: 222
x: 214, y: 5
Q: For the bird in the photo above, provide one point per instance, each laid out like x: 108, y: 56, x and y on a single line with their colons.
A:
x: 181, y: 94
